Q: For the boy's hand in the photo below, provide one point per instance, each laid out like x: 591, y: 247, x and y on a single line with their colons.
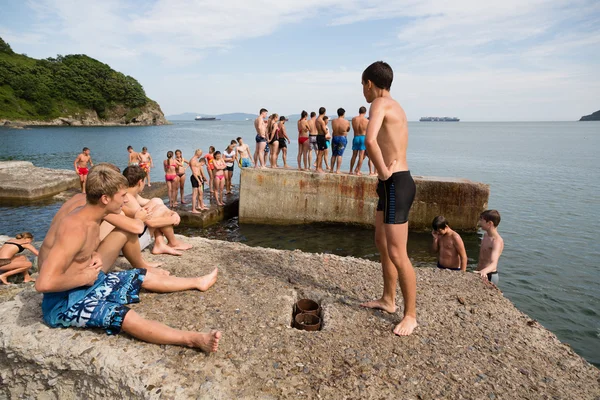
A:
x: 385, y: 175
x: 435, y: 234
x: 142, y: 215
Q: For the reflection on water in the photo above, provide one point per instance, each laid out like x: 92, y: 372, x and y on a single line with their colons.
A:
x: 341, y: 240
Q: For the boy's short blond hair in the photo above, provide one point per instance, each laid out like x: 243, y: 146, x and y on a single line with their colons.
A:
x: 103, y: 180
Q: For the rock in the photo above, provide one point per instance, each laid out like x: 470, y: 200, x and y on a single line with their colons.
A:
x: 40, y: 182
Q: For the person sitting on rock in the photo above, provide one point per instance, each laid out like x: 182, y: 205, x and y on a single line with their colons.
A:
x: 75, y: 280
x: 160, y: 219
x: 10, y: 263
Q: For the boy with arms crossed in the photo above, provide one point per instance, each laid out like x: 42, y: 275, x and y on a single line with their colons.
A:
x: 448, y: 246
x: 79, y: 291
x: 387, y: 139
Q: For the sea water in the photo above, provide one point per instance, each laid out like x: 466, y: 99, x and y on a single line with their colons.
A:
x: 544, y: 178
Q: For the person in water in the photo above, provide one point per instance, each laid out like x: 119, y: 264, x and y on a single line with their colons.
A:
x: 78, y: 289
x: 11, y: 263
x: 81, y: 166
x: 448, y: 246
x: 387, y: 140
x: 492, y: 246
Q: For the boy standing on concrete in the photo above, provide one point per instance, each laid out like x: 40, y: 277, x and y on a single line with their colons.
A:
x: 448, y: 246
x: 81, y: 166
x: 387, y: 139
x: 492, y: 245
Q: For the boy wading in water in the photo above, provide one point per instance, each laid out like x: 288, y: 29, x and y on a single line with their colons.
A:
x: 387, y: 139
x: 492, y: 245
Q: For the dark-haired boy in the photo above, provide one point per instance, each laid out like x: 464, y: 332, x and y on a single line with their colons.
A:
x: 340, y: 127
x: 492, y: 245
x: 387, y: 139
x: 321, y: 140
x: 243, y: 153
x: 312, y: 138
x: 134, y: 157
x: 359, y: 126
x: 448, y: 246
x: 81, y: 166
x: 197, y: 180
x: 261, y: 141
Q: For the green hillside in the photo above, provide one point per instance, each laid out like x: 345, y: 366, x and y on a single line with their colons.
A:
x: 33, y: 89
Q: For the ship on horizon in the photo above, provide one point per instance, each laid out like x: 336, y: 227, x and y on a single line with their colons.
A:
x: 439, y: 119
x: 200, y: 118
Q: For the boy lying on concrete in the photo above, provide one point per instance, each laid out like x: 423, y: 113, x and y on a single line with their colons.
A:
x: 79, y: 290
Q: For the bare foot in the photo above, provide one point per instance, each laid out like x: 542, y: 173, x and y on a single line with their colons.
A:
x: 337, y: 172
x: 358, y: 173
x: 372, y: 174
x: 206, y: 281
x: 320, y: 171
x: 207, y: 342
x: 350, y: 173
x: 194, y: 211
x: 149, y: 185
x: 177, y: 245
x: 380, y: 305
x: 28, y: 279
x: 204, y: 208
x: 183, y: 202
x: 152, y: 264
x: 4, y: 281
x: 164, y: 249
x: 406, y: 326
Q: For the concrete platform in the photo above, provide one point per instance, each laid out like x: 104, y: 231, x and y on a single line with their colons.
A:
x: 299, y: 197
x: 213, y: 215
x: 471, y: 343
x: 21, y: 181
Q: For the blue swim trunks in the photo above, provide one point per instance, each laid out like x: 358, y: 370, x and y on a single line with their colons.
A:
x: 358, y: 143
x: 339, y: 145
x: 246, y: 163
x: 101, y: 305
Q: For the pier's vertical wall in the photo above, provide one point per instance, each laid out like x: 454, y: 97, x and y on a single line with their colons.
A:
x: 277, y: 196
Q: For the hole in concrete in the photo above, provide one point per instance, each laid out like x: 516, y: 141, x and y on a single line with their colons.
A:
x: 306, y: 315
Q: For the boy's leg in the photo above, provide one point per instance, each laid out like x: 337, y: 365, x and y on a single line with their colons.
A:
x: 19, y: 264
x: 111, y: 246
x: 396, y: 237
x: 167, y: 284
x: 133, y: 253
x: 387, y: 302
x: 160, y: 247
x: 352, y: 160
x: 155, y: 332
x: 361, y: 157
x: 194, y: 200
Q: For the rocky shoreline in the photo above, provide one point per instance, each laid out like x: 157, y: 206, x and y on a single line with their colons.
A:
x: 471, y: 343
x: 149, y: 115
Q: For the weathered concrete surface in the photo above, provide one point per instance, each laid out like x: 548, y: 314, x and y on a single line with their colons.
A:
x: 296, y: 197
x: 213, y: 215
x: 22, y: 181
x: 472, y: 342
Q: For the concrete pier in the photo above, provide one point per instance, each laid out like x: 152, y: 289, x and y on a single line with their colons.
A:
x: 297, y: 197
x: 22, y: 181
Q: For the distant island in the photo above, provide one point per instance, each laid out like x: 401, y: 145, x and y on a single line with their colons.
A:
x: 73, y: 90
x: 592, y: 117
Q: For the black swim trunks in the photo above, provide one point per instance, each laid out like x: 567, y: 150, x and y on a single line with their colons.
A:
x: 440, y: 266
x: 194, y: 181
x: 321, y: 142
x: 282, y: 143
x: 396, y: 195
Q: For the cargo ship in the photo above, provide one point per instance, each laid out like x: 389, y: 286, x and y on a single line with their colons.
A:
x: 199, y: 118
x: 439, y: 119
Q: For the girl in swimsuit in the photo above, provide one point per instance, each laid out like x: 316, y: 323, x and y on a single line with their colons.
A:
x: 10, y: 263
x: 273, y: 132
x: 219, y: 177
x: 171, y: 177
x: 229, y: 155
x: 180, y: 161
x: 210, y: 168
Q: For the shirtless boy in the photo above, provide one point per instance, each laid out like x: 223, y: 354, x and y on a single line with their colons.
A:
x: 359, y: 126
x: 340, y: 127
x: 146, y: 163
x: 243, y: 153
x: 78, y: 289
x: 321, y: 141
x: 197, y: 179
x: 303, y: 142
x: 284, y: 139
x: 161, y: 220
x: 387, y: 139
x: 134, y: 158
x: 261, y: 138
x: 492, y: 245
x: 81, y: 166
x: 448, y: 245
x: 312, y: 138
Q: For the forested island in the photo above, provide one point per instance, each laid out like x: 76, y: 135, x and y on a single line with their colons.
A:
x: 592, y: 117
x: 70, y: 90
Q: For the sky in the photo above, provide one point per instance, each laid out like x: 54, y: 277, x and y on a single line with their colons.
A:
x: 510, y: 60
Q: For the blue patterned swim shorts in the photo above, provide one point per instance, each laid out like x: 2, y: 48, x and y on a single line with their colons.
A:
x: 101, y: 305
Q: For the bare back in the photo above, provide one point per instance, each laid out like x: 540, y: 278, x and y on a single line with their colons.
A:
x: 359, y: 125
x: 392, y: 138
x: 134, y: 158
x: 303, y: 128
x: 312, y: 127
x: 340, y: 126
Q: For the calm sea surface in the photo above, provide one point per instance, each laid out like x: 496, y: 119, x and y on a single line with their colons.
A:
x: 544, y: 177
